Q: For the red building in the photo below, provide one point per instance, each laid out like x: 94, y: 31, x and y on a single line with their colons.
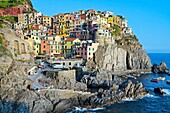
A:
x: 12, y: 11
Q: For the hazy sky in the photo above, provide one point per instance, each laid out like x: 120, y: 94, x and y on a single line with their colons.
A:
x: 149, y: 19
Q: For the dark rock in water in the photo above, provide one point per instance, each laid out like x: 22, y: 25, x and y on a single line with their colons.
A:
x: 155, y: 68
x: 162, y: 68
x: 159, y: 91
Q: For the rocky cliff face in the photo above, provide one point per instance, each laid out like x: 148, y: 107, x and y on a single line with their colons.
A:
x: 115, y: 58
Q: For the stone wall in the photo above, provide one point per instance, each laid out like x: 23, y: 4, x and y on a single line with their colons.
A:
x: 63, y: 79
x: 16, y: 45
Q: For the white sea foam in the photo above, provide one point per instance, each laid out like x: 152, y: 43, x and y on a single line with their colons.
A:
x: 82, y: 110
x: 167, y: 91
x: 150, y: 96
x: 129, y: 99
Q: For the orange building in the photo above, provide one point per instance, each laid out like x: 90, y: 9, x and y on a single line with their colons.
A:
x: 45, y: 47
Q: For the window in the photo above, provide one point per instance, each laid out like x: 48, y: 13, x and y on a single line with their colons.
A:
x: 66, y: 47
x: 44, y: 41
x: 37, y: 38
x: 46, y: 38
x: 89, y: 49
x: 37, y: 46
x: 93, y: 49
x: 63, y: 63
x: 89, y: 53
x: 44, y: 46
x: 32, y: 37
x: 37, y: 34
x: 69, y: 63
x: 53, y: 38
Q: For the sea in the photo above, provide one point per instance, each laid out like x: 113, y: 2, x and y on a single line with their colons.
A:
x: 151, y: 103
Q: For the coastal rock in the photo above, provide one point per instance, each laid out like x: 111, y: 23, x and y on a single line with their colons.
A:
x: 127, y: 89
x: 65, y: 105
x: 162, y: 68
x: 115, y: 58
x: 52, y: 95
x: 137, y: 59
x: 159, y: 91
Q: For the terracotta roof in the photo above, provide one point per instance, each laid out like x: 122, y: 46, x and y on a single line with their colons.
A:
x: 70, y: 39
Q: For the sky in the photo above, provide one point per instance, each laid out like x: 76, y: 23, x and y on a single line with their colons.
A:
x: 149, y: 19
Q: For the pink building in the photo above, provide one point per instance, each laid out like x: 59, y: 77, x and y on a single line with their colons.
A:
x: 87, y: 49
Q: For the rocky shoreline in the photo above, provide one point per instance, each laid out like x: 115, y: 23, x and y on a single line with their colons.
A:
x: 16, y: 97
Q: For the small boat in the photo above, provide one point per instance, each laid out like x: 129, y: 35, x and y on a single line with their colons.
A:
x: 168, y: 81
x: 154, y: 80
x: 161, y: 78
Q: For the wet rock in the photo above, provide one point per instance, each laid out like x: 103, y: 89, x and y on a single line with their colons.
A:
x: 162, y: 68
x: 159, y: 91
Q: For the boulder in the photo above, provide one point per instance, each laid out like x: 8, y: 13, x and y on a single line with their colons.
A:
x: 162, y: 68
x: 159, y: 91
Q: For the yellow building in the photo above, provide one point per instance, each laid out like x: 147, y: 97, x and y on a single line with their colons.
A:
x: 60, y: 23
x: 47, y: 21
x: 63, y: 38
x: 117, y: 20
x: 103, y: 20
x: 36, y: 44
x: 70, y: 44
x: 110, y: 20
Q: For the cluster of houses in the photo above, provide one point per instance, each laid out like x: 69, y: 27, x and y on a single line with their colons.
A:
x: 75, y: 34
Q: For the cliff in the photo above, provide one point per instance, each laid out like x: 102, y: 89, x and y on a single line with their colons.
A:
x: 125, y: 54
x: 114, y: 58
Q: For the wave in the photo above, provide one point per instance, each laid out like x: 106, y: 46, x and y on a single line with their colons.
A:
x: 129, y: 99
x: 167, y: 91
x: 149, y: 96
x: 82, y: 110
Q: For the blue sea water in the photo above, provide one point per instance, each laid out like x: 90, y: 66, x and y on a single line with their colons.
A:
x: 150, y: 103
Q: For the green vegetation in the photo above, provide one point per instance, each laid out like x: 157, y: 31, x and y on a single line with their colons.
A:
x: 117, y: 30
x: 1, y: 25
x: 11, y: 19
x: 131, y: 36
x: 119, y: 41
x: 9, y: 3
x: 31, y: 53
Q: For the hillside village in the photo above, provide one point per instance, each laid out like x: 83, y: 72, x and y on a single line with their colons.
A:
x: 71, y: 35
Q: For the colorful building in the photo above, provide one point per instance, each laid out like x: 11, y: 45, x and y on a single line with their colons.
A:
x: 70, y: 45
x: 51, y: 45
x: 47, y: 21
x: 12, y: 11
x: 87, y: 49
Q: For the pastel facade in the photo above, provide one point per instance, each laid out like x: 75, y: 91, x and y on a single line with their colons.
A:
x: 36, y: 45
x: 70, y: 45
x: 87, y: 49
x: 47, y: 21
x: 91, y: 49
